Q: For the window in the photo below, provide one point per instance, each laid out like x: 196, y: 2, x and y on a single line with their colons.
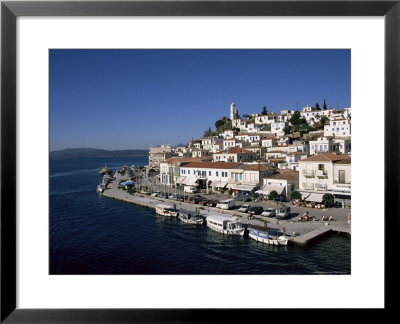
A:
x: 188, y: 171
x: 216, y: 173
x: 209, y: 173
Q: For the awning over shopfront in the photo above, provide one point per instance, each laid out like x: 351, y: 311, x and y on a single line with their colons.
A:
x: 243, y: 187
x: 315, y: 197
x: 219, y: 183
x: 191, y: 182
x: 180, y: 180
x: 273, y: 187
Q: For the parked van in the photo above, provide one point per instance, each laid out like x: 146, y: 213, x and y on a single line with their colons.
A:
x: 190, y: 189
x: 226, y: 204
x: 283, y: 212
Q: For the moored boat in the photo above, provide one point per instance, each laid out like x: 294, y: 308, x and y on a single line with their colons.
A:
x: 268, y: 236
x: 190, y: 218
x: 100, y: 188
x: 225, y: 224
x: 166, y: 210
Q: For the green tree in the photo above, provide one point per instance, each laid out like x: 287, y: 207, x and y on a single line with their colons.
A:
x: 328, y: 199
x: 273, y: 194
x: 208, y: 132
x: 295, y: 195
x: 317, y: 106
x: 218, y: 123
x: 324, y: 120
x: 264, y: 111
x: 296, y: 119
x: 324, y: 106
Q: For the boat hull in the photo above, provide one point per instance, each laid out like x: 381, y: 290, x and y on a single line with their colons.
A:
x: 239, y: 232
x: 168, y: 214
x: 265, y: 238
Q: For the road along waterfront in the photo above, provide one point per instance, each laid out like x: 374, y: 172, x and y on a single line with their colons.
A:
x: 300, y: 232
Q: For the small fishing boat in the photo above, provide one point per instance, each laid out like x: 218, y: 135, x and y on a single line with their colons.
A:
x: 268, y: 236
x: 190, y: 218
x: 166, y: 210
x: 225, y: 224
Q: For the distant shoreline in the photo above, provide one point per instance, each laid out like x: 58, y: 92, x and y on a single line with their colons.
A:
x: 95, y: 157
x: 94, y: 153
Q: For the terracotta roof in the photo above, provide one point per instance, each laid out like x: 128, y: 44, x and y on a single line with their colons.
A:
x: 234, y: 150
x: 256, y: 167
x: 348, y: 161
x: 175, y: 160
x: 213, y: 165
x: 326, y: 157
x: 286, y: 174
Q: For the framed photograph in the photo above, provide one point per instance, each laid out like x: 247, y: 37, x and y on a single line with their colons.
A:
x: 266, y: 129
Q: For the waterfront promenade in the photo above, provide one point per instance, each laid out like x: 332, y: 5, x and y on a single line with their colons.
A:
x: 301, y: 233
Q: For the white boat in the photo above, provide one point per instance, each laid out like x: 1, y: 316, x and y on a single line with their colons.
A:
x: 225, y: 224
x: 166, y: 210
x: 190, y: 218
x: 100, y: 188
x: 268, y: 236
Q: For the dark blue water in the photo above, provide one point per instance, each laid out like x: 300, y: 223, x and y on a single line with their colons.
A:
x: 92, y: 234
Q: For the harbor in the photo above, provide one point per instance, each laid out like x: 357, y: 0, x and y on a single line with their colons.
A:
x: 299, y: 233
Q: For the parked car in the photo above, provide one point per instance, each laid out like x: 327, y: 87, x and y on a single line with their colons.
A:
x: 269, y: 212
x: 243, y: 197
x: 226, y: 204
x: 173, y: 197
x: 255, y: 210
x: 203, y: 202
x: 212, y: 203
x: 244, y: 208
x: 155, y: 194
x: 283, y: 212
x: 189, y: 199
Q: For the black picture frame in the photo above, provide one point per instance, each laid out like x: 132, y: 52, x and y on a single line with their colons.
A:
x: 10, y: 10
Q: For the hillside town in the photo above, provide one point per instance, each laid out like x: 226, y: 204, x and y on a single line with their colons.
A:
x: 295, y: 154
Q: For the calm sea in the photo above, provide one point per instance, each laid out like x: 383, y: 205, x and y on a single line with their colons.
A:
x: 92, y: 234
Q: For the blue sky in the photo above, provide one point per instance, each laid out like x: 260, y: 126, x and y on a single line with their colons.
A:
x: 134, y: 99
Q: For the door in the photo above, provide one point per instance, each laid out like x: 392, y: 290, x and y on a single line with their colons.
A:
x: 342, y: 176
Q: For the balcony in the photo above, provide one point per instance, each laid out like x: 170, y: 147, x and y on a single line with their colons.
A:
x: 321, y: 174
x: 341, y: 186
x: 320, y: 187
x: 308, y: 173
x: 308, y: 186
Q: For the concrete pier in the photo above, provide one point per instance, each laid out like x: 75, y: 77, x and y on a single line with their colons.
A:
x: 300, y: 233
x: 312, y: 236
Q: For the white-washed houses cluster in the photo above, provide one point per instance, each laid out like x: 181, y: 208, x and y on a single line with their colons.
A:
x: 261, y: 154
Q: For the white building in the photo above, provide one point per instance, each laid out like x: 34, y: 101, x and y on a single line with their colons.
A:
x: 322, y: 173
x: 327, y: 145
x: 232, y: 142
x: 284, y: 182
x: 261, y: 119
x: 234, y: 154
x: 279, y: 128
x: 206, y: 175
x: 338, y: 128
